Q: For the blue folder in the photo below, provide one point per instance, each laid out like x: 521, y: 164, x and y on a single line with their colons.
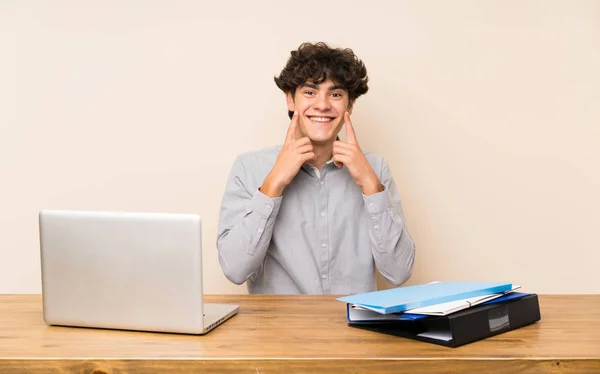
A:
x: 368, y: 316
x: 399, y: 299
x: 508, y: 296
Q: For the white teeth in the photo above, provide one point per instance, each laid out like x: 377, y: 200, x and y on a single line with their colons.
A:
x: 320, y: 119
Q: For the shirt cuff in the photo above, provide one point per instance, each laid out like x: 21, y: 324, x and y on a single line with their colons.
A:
x: 378, y: 202
x: 265, y: 205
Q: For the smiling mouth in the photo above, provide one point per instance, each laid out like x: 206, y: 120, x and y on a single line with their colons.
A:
x: 321, y: 120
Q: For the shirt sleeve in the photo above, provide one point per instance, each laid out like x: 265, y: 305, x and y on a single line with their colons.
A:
x: 392, y: 246
x: 245, y: 226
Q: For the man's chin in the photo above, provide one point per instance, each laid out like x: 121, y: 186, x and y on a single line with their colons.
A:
x: 320, y: 140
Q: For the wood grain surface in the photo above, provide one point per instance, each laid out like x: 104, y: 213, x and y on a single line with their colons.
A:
x: 296, y: 334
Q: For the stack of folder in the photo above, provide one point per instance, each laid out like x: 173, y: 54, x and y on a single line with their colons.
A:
x: 445, y: 313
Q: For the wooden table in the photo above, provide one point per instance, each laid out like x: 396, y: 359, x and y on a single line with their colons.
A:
x: 296, y: 334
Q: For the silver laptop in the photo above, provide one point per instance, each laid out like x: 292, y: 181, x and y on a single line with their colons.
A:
x: 129, y: 271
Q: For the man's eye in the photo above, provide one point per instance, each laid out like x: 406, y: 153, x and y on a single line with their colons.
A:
x: 309, y: 92
x: 335, y: 94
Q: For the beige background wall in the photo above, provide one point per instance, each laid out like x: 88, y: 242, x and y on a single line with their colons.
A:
x: 487, y: 111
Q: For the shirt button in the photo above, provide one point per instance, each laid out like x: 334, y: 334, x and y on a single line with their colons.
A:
x: 376, y: 227
x: 324, y: 245
x: 267, y: 207
x: 324, y: 276
x: 260, y: 230
x: 371, y: 205
x: 323, y: 214
x: 322, y: 183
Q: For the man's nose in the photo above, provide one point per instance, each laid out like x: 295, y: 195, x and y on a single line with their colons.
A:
x: 322, y: 102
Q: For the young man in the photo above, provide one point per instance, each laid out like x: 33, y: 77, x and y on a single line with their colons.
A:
x: 315, y: 215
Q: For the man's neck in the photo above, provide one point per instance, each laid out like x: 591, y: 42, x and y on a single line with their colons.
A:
x: 324, y: 152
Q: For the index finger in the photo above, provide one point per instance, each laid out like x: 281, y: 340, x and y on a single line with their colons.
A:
x: 349, y: 129
x: 291, y: 134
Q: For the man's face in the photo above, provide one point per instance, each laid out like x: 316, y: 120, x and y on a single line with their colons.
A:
x: 320, y: 110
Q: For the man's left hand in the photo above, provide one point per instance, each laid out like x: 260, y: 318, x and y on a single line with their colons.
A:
x: 349, y: 154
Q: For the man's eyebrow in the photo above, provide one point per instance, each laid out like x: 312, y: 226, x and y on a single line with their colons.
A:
x: 336, y: 87
x: 310, y: 85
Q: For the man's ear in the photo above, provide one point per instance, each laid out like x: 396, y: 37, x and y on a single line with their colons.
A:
x: 289, y: 98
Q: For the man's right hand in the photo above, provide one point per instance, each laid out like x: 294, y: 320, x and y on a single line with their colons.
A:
x: 294, y: 154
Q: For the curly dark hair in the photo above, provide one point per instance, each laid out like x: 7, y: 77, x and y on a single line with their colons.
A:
x: 317, y: 62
